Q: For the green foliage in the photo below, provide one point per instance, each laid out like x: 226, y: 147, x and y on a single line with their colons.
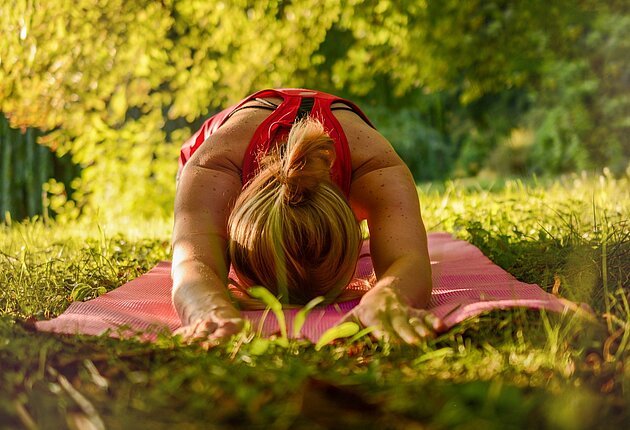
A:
x: 480, y: 47
x: 547, y: 232
x: 33, y: 179
x: 89, y: 72
x: 582, y: 110
x: 59, y: 263
x: 428, y: 153
x: 119, y: 85
x: 117, y: 82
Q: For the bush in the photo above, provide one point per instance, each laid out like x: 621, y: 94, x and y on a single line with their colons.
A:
x: 428, y: 153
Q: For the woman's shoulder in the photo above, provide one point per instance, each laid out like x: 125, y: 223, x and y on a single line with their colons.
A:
x: 226, y: 146
x: 369, y: 149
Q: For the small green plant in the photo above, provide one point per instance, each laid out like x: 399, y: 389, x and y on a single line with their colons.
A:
x: 259, y: 345
x: 300, y: 316
x: 340, y: 331
x: 263, y: 294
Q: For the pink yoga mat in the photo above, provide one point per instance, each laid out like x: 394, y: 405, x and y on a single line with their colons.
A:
x: 466, y: 283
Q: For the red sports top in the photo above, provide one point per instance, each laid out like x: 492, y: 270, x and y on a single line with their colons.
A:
x: 275, y: 128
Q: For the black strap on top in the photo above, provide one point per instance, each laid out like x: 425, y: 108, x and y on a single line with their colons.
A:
x: 306, y: 105
x: 266, y: 102
x: 267, y: 106
x: 252, y: 107
x: 343, y: 108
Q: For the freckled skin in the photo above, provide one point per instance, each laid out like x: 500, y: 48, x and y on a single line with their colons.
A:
x: 399, y: 249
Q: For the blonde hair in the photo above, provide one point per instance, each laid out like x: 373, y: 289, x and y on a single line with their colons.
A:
x: 291, y: 229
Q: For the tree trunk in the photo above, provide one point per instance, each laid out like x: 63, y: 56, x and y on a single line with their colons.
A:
x: 6, y: 174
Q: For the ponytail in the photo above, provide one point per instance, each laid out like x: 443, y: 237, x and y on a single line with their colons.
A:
x: 305, y: 164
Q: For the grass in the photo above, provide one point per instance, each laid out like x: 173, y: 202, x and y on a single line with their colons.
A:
x: 505, y: 369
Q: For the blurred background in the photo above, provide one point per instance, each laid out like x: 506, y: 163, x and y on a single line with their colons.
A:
x: 96, y: 96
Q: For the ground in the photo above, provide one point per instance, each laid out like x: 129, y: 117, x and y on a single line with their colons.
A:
x: 505, y: 369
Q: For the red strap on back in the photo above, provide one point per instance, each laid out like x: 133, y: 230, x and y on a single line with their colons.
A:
x: 275, y: 129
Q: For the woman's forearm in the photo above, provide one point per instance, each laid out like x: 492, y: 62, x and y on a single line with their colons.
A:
x: 410, y: 277
x: 197, y: 289
x: 202, y: 205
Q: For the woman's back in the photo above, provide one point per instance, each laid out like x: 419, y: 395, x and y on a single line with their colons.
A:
x: 230, y: 145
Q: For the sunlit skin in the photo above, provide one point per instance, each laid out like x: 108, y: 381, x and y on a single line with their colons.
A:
x: 382, y: 192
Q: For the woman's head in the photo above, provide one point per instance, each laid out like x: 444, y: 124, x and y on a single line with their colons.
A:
x: 291, y: 230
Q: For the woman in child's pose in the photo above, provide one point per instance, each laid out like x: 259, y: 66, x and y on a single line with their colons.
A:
x: 276, y: 186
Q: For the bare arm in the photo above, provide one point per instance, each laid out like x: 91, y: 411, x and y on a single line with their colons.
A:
x: 384, y: 193
x: 388, y: 199
x: 207, y: 189
x: 205, y: 192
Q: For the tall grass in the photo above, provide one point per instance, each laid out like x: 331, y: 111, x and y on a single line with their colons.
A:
x: 504, y: 369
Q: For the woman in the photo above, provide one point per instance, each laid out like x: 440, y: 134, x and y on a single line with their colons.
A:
x: 276, y: 185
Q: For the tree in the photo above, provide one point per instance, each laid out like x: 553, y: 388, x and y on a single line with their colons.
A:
x: 118, y: 84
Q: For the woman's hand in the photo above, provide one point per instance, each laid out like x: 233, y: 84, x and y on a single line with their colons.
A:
x: 393, y: 319
x: 212, y: 325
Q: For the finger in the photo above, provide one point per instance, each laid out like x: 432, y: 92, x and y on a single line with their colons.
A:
x: 350, y: 317
x: 186, y: 332
x: 435, y: 322
x: 421, y: 328
x: 402, y: 328
x: 380, y: 334
x: 381, y: 327
x: 393, y: 328
x: 196, y: 331
x: 182, y: 332
x: 226, y: 313
x: 210, y: 343
x: 204, y: 328
x: 228, y: 329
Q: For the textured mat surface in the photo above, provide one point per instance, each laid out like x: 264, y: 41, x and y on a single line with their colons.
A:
x: 466, y: 283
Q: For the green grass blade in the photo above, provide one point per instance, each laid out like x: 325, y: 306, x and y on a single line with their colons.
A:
x: 362, y: 333
x: 340, y: 331
x: 273, y: 303
x: 261, y: 324
x: 259, y: 346
x: 300, y: 317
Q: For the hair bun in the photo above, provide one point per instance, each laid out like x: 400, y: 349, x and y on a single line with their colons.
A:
x: 308, y: 156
